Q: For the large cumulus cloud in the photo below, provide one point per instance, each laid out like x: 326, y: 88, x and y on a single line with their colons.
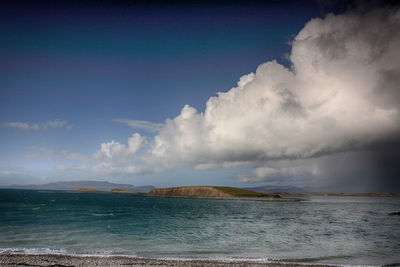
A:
x: 340, y: 93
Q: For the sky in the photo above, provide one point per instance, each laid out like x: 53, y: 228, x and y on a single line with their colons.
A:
x: 302, y: 93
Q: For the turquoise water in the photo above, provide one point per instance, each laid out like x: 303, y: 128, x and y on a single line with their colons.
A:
x: 339, y: 230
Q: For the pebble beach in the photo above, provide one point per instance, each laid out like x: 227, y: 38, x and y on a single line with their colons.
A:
x: 8, y: 260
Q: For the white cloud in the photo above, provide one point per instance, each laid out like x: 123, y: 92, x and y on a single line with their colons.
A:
x: 39, y: 126
x: 112, y: 158
x: 22, y: 126
x: 340, y: 94
x: 114, y: 150
x: 57, y: 124
x: 142, y: 125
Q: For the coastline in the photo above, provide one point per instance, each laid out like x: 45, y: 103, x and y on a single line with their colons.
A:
x: 7, y: 260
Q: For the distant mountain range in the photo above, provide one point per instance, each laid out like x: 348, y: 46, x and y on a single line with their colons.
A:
x: 76, y: 185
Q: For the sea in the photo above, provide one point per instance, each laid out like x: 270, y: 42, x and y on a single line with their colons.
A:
x: 328, y: 230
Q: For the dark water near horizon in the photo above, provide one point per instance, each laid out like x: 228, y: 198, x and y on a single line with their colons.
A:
x: 338, y: 230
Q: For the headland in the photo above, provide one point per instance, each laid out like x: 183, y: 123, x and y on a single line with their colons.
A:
x: 215, y: 192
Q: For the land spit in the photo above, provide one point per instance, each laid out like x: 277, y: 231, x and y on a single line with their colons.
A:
x: 216, y: 192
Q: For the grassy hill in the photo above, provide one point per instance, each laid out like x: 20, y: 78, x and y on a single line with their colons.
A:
x: 122, y: 191
x: 208, y: 191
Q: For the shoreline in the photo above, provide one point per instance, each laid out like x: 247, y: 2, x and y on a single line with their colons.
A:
x: 7, y: 260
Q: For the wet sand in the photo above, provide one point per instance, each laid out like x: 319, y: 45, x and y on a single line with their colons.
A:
x: 66, y: 260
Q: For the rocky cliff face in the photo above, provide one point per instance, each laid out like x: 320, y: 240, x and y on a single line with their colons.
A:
x: 189, y: 191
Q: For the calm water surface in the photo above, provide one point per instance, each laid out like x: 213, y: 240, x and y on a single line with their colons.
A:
x: 340, y: 230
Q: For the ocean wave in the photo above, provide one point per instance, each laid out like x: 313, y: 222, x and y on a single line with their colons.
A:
x: 33, y: 251
x: 50, y: 251
x: 102, y: 214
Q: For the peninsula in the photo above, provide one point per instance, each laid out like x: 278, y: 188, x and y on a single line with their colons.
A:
x: 122, y: 191
x: 211, y: 192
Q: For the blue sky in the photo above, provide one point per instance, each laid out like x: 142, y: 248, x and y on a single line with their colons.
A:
x: 88, y: 65
x: 71, y: 73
